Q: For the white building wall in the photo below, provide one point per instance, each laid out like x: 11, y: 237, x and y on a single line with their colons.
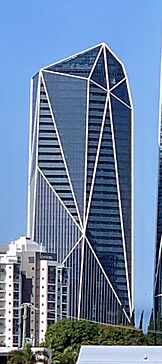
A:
x: 9, y: 304
x: 43, y: 299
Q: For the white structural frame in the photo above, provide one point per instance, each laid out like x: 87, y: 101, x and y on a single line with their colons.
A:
x: 157, y: 264
x: 83, y: 222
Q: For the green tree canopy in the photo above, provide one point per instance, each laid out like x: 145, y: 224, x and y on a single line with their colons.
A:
x: 21, y: 356
x: 66, y: 337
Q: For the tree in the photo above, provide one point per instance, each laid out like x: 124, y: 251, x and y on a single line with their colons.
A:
x: 21, y: 356
x: 66, y: 337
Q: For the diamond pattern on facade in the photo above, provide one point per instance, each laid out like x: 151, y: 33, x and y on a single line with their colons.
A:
x: 81, y: 209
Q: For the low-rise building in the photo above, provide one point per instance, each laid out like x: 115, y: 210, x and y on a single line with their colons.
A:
x: 33, y: 292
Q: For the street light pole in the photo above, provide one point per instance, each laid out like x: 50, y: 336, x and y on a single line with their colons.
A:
x: 24, y: 306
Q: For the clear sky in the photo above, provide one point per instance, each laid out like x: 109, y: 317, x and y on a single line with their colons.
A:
x: 35, y: 33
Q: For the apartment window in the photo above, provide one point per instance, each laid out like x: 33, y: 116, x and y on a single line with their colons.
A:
x: 31, y: 259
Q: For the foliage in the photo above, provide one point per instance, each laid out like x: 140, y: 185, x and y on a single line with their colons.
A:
x: 21, y: 356
x: 66, y: 337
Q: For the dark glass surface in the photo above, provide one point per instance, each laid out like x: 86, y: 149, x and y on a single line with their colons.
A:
x: 99, y: 74
x: 68, y: 97
x: 73, y: 263
x: 97, y: 99
x: 121, y: 116
x: 104, y: 234
x: 115, y: 69
x: 51, y: 161
x: 80, y: 65
x: 121, y: 92
x: 159, y: 212
x: 53, y: 225
x: 98, y: 302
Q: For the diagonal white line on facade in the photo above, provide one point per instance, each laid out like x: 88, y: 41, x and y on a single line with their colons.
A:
x: 129, y: 107
x: 156, y: 266
x: 29, y: 159
x: 96, y: 60
x: 35, y: 127
x: 72, y: 57
x: 38, y: 111
x: 86, y: 155
x: 97, y: 157
x: 62, y: 153
x: 132, y: 175
x: 81, y: 278
x: 97, y: 84
x: 132, y: 192
x: 105, y: 275
x: 120, y: 208
x: 132, y: 171
x: 65, y: 74
x: 158, y: 262
x: 160, y: 102
x: 71, y: 251
x: 34, y: 136
x: 117, y: 84
x: 106, y: 71
x: 58, y: 197
x: 115, y: 56
x: 35, y: 112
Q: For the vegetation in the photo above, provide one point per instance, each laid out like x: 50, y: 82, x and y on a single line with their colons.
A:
x: 66, y: 337
x: 22, y: 356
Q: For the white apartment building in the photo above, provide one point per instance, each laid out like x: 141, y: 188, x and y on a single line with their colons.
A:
x: 28, y: 275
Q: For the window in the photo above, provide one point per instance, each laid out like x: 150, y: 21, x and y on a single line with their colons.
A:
x: 31, y: 259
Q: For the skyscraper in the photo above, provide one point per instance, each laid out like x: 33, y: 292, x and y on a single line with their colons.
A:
x: 158, y: 254
x: 80, y: 179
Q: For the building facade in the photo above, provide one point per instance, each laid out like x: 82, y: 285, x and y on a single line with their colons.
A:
x: 158, y: 253
x: 80, y: 200
x: 32, y: 278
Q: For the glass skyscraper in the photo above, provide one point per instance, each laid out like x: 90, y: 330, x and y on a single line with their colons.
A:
x: 81, y: 179
x: 158, y: 254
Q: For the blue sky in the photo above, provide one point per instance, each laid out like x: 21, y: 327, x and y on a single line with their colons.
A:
x: 36, y: 33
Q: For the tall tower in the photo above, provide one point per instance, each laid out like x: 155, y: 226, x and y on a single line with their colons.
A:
x: 81, y: 179
x: 158, y: 253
